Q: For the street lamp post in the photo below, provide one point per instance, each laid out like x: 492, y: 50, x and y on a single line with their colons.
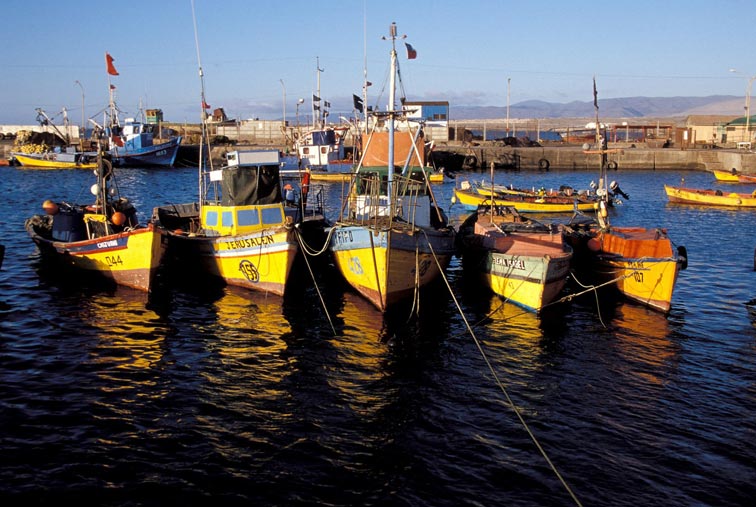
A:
x: 284, y: 103
x: 83, y: 125
x: 299, y: 103
x: 747, y: 105
x: 509, y: 80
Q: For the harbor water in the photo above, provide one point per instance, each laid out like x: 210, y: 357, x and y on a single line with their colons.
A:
x: 200, y: 395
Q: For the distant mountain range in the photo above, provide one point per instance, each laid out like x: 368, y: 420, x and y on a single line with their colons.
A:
x: 629, y: 107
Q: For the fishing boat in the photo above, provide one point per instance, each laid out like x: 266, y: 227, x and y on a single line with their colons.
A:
x: 641, y: 263
x: 133, y: 143
x: 57, y: 160
x: 522, y: 260
x: 733, y: 176
x: 103, y: 238
x: 391, y: 239
x: 51, y: 150
x: 710, y: 197
x: 471, y: 195
x: 237, y: 232
x: 241, y: 235
x: 321, y: 147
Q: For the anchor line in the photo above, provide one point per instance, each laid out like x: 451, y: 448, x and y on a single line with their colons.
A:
x: 501, y: 385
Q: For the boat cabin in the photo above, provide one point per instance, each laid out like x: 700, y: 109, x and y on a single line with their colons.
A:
x: 251, y: 198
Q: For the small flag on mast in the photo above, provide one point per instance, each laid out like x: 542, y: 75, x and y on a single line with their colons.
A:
x: 595, y: 94
x: 411, y: 53
x: 205, y: 105
x: 109, y: 63
x: 358, y: 105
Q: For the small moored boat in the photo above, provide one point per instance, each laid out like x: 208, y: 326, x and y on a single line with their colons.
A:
x: 709, y: 197
x: 733, y: 176
x: 103, y: 238
x: 520, y: 259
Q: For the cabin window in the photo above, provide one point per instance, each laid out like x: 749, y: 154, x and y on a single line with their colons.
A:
x: 323, y: 150
x: 271, y: 216
x: 248, y: 217
x: 227, y: 219
x: 211, y: 218
x: 306, y: 151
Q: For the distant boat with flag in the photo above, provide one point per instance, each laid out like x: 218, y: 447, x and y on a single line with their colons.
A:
x: 133, y: 143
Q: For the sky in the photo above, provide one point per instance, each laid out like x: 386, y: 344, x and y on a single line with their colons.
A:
x: 261, y: 56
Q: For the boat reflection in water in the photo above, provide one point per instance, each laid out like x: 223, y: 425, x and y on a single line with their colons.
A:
x: 130, y: 335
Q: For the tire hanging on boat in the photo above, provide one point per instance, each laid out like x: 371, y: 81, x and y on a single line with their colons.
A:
x: 544, y: 164
x: 612, y: 165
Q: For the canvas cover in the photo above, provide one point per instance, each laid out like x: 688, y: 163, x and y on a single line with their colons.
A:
x: 248, y: 185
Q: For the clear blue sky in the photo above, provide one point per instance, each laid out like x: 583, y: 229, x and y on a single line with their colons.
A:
x: 466, y: 52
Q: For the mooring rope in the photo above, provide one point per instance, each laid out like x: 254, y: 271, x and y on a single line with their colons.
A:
x: 314, y: 281
x: 498, y: 381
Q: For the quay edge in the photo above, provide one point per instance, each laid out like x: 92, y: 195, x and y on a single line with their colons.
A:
x: 573, y: 158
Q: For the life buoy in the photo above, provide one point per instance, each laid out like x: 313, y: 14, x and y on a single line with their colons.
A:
x: 471, y: 160
x: 544, y: 164
x: 612, y: 165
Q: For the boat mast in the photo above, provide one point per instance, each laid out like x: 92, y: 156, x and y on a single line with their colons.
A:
x: 601, y: 190
x: 316, y: 122
x: 203, y: 119
x: 391, y: 111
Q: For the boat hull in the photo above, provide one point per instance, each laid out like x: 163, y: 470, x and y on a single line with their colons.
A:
x: 389, y: 266
x: 471, y: 200
x: 163, y: 154
x: 50, y: 163
x: 129, y: 258
x: 733, y: 177
x: 709, y: 197
x: 258, y: 261
x: 524, y: 262
x: 640, y: 263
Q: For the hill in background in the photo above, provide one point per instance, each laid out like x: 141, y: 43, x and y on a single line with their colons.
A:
x: 629, y: 107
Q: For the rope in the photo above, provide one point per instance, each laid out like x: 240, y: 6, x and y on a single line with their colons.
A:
x: 499, y: 383
x: 312, y: 275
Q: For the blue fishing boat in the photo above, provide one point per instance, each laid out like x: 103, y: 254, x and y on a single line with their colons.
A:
x: 132, y: 144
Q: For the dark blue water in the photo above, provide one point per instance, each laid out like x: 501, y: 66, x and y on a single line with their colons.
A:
x: 225, y: 397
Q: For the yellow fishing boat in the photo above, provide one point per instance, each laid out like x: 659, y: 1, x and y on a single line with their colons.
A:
x: 710, y: 197
x: 733, y: 176
x: 521, y: 260
x: 392, y: 239
x: 51, y: 160
x: 242, y: 236
x: 470, y: 198
x: 104, y: 238
x: 640, y: 263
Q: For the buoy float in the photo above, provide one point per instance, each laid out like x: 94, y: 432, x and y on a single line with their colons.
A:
x: 50, y: 207
x: 118, y: 218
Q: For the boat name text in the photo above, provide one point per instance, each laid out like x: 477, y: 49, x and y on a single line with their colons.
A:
x: 249, y: 242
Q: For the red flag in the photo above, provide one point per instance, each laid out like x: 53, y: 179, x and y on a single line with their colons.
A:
x: 411, y: 53
x: 112, y: 87
x: 109, y: 62
x: 205, y: 105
